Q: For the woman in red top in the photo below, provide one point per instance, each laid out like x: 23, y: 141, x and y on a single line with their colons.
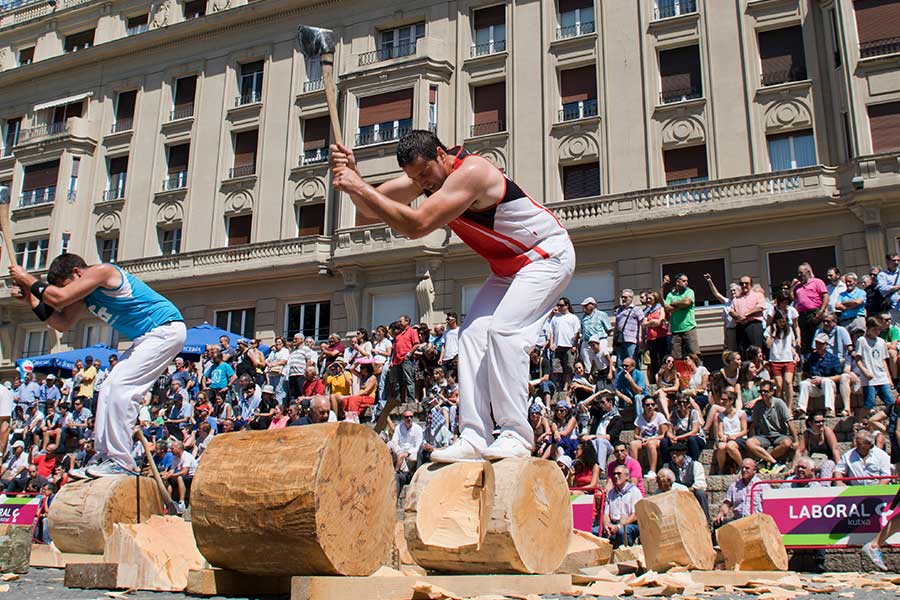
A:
x: 656, y: 332
x: 586, y: 471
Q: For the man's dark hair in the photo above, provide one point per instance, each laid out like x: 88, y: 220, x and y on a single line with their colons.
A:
x: 63, y: 266
x: 418, y: 143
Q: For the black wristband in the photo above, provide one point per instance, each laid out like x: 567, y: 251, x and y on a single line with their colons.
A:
x: 43, y: 311
x: 37, y: 289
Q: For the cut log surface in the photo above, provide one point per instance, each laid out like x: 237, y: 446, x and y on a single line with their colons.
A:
x: 674, y: 532
x: 753, y: 544
x: 512, y: 516
x: 311, y: 500
x: 49, y: 556
x: 83, y: 513
x: 585, y: 550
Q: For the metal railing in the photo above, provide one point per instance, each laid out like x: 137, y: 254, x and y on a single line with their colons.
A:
x: 115, y: 193
x: 175, y: 181
x: 680, y: 95
x: 382, y: 135
x: 242, y: 171
x: 879, y: 47
x: 795, y: 73
x: 575, y: 30
x: 11, y: 4
x: 42, y: 130
x: 672, y: 8
x: 182, y: 111
x: 251, y: 98
x: 376, y: 56
x: 487, y: 128
x: 578, y: 110
x: 314, y: 156
x: 123, y: 125
x: 488, y: 48
x: 314, y: 85
x: 37, y: 197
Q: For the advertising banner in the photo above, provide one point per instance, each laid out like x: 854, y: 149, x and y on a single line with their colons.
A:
x: 19, y: 510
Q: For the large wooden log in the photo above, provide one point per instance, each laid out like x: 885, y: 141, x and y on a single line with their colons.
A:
x: 512, y: 516
x: 753, y: 544
x: 83, y: 513
x: 674, y: 532
x: 311, y: 500
x: 585, y: 550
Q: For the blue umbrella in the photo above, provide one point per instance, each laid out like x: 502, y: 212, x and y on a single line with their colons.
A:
x: 203, y: 335
x: 49, y: 363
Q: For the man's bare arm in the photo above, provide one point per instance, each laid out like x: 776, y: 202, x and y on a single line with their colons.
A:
x: 61, y: 297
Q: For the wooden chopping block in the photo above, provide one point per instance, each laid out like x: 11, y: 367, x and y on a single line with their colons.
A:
x: 585, y: 550
x: 674, y: 532
x: 753, y: 544
x: 15, y: 548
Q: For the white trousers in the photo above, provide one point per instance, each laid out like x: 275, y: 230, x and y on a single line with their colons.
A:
x: 808, y: 390
x: 500, y: 329
x: 125, y: 386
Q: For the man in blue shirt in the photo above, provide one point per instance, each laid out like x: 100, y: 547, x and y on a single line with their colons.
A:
x: 888, y: 284
x: 593, y: 323
x: 823, y: 371
x: 49, y: 394
x: 631, y: 386
x: 851, y: 304
x: 29, y: 391
x: 219, y: 375
x: 162, y: 457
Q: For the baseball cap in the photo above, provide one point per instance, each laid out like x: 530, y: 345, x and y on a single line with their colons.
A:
x: 51, y: 376
x: 588, y: 300
x: 563, y: 404
x: 18, y: 444
x: 565, y: 460
x: 821, y: 337
x: 594, y: 339
x: 243, y: 341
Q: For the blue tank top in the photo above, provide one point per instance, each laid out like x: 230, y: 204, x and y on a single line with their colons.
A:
x: 133, y: 308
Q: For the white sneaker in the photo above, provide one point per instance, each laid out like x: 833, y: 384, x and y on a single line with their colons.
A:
x: 875, y: 555
x: 508, y: 445
x: 650, y: 475
x: 108, y: 468
x: 181, y: 507
x: 459, y: 451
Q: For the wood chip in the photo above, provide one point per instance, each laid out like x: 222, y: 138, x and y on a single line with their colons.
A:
x: 385, y: 571
x: 609, y: 588
x: 121, y: 594
x: 4, y: 588
x: 428, y: 591
x: 8, y: 577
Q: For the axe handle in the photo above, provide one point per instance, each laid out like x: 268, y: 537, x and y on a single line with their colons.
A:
x: 331, y: 96
x: 7, y: 232
x: 163, y: 492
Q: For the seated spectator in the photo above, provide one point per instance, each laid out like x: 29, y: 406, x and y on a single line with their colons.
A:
x: 600, y: 365
x: 606, y: 424
x: 685, y: 427
x: 34, y: 426
x: 822, y: 372
x: 338, y: 382
x: 689, y: 473
x: 864, y: 459
x: 266, y: 409
x: 179, y: 477
x: 563, y: 429
x: 698, y: 385
x: 757, y: 356
x: 14, y: 474
x: 819, y: 439
x: 541, y: 428
x: 435, y: 434
x: 804, y: 468
x: 539, y: 371
x: 631, y: 386
x: 162, y: 457
x: 319, y: 411
x: 565, y: 464
x: 772, y: 434
x: 749, y: 385
x: 56, y: 424
x: 635, y: 472
x: 668, y: 383
x: 404, y: 446
x: 737, y: 497
x: 580, y: 387
x: 249, y: 401
x: 79, y: 421
x: 42, y: 525
x: 46, y: 461
x: 312, y: 384
x: 665, y: 482
x: 84, y: 453
x: 650, y: 429
x: 357, y: 403
x: 871, y: 359
x: 279, y: 418
x: 222, y: 409
x: 731, y: 433
x: 586, y: 470
x: 619, y: 518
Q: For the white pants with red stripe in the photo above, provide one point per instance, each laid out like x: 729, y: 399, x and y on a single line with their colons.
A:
x: 125, y: 386
x: 500, y: 328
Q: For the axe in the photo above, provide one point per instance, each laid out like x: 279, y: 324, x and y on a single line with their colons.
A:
x: 319, y: 43
x: 4, y: 223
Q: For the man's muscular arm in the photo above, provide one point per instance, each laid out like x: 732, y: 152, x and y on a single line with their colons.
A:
x: 62, y: 297
x: 400, y: 189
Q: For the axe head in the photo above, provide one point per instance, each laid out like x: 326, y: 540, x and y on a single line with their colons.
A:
x: 315, y: 41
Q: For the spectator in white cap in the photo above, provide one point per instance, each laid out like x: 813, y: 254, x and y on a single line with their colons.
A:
x: 600, y: 361
x: 565, y: 465
x: 594, y: 323
x: 16, y: 464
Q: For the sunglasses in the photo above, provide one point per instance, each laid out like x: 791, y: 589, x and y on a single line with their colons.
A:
x: 649, y: 404
x: 819, y: 422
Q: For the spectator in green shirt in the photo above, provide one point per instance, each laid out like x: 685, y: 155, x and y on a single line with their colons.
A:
x: 890, y: 333
x: 679, y: 304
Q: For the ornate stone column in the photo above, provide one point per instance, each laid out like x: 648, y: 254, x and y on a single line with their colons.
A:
x: 875, y: 242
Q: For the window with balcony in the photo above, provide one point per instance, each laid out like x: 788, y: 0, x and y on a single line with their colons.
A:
x: 311, y: 219
x: 576, y: 17
x: 177, y: 166
x: 680, y: 74
x: 26, y: 56
x: 489, y: 30
x: 240, y: 228
x: 170, y: 241
x: 11, y: 128
x: 385, y: 117
x: 79, y: 41
x: 194, y: 9
x: 665, y: 9
x: 394, y: 43
x: 183, y: 99
x: 32, y: 254
x: 251, y: 83
x: 783, y: 265
x: 793, y: 150
x: 118, y: 172
x: 878, y: 27
x: 245, y: 143
x: 315, y: 140
x: 125, y: 102
x: 239, y: 321
x: 314, y: 81
x: 39, y: 184
x: 581, y: 181
x: 432, y: 108
x: 695, y: 271
x: 312, y: 319
x: 108, y: 249
x: 63, y: 113
x: 137, y: 24
x: 685, y: 165
x: 884, y: 122
x: 781, y: 55
x: 37, y: 343
x: 488, y: 109
x: 578, y: 93
x: 73, y: 179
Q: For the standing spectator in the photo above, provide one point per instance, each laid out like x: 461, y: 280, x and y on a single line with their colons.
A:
x: 227, y: 350
x: 655, y: 332
x: 680, y: 307
x: 689, y: 473
x: 629, y: 319
x: 402, y: 377
x: 851, y: 304
x: 382, y: 350
x: 747, y: 312
x: 277, y: 359
x: 863, y: 460
x: 449, y: 359
x: 649, y: 430
x: 731, y: 341
x: 887, y: 287
x: 29, y: 392
x: 822, y: 372
x: 818, y: 439
x: 564, y: 330
x: 737, y: 497
x: 49, y: 394
x: 594, y: 324
x: 871, y: 358
x: 619, y: 518
x: 295, y: 369
x: 811, y: 300
x: 890, y: 333
x: 783, y: 355
x: 635, y: 472
x: 181, y: 373
x: 219, y: 374
x: 685, y: 428
x: 631, y: 386
x: 600, y: 369
x: 87, y: 375
x: 835, y: 286
x: 771, y: 429
x: 731, y: 433
x: 334, y: 348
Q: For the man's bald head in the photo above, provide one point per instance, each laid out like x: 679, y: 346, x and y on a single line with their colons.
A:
x: 319, y: 409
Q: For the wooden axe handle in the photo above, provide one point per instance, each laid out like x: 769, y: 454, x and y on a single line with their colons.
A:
x: 331, y: 96
x: 7, y: 232
x: 163, y: 492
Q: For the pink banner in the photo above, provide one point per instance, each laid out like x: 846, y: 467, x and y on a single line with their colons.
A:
x: 19, y: 510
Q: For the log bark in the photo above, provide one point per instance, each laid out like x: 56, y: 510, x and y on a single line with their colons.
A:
x: 311, y: 500
x: 753, y: 544
x: 674, y: 532
x: 512, y: 516
x: 83, y: 513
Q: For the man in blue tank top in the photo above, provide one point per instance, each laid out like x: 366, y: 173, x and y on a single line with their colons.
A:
x: 132, y: 308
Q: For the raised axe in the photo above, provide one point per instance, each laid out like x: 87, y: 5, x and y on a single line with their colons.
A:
x: 5, y: 228
x: 316, y: 42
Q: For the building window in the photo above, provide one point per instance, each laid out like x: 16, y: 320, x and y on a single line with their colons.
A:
x: 680, y: 75
x: 876, y: 24
x: 239, y: 321
x: 32, y: 254
x: 576, y: 17
x: 578, y: 93
x: 394, y: 43
x: 183, y: 100
x: 783, y: 265
x: 73, y: 179
x: 312, y: 319
x: 884, y: 122
x: 781, y: 55
x: 100, y: 334
x: 64, y: 243
x: 384, y: 117
x: 672, y: 8
x: 432, y: 108
x: 239, y: 229
x: 314, y: 81
x: 581, y: 181
x: 488, y: 109
x: 39, y: 184
x: 136, y: 24
x: 251, y: 83
x: 11, y: 135
x: 177, y: 166
x: 118, y: 172
x: 79, y: 41
x: 696, y: 271
x: 194, y: 9
x: 245, y: 143
x: 108, y: 249
x: 489, y: 26
x: 125, y: 102
x: 315, y: 140
x: 63, y: 113
x: 37, y: 343
x: 685, y: 165
x: 793, y: 150
x: 311, y: 219
x: 170, y: 241
x: 26, y: 56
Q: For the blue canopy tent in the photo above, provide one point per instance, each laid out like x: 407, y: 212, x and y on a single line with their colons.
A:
x: 65, y: 361
x: 202, y: 335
